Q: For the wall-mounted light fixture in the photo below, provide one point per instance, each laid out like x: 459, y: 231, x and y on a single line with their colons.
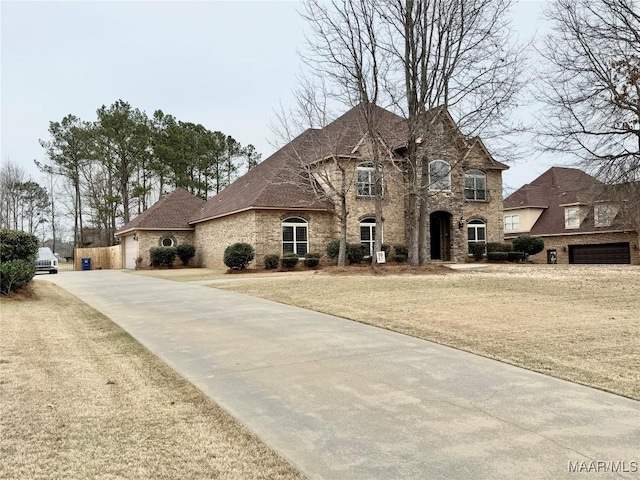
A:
x: 135, y: 237
x: 461, y: 223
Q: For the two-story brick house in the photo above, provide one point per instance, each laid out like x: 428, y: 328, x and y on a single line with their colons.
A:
x: 288, y: 203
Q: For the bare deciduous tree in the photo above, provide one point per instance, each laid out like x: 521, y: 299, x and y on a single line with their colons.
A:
x: 453, y: 55
x: 423, y: 57
x: 346, y: 54
x: 591, y: 84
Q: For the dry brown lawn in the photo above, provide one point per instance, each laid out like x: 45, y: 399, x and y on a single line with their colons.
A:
x: 214, y: 275
x: 580, y: 323
x: 81, y: 399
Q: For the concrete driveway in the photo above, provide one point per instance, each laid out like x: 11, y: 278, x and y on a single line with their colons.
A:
x: 342, y: 400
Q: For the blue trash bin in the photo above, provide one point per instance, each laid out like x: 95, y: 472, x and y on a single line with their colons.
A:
x: 86, y: 264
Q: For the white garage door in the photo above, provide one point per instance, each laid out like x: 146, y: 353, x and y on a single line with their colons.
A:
x: 130, y: 252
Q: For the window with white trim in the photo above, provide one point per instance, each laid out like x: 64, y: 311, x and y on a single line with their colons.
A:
x: 439, y: 175
x: 475, y: 185
x: 511, y: 223
x: 366, y: 182
x: 167, y: 242
x: 368, y: 234
x: 476, y: 232
x: 571, y: 217
x: 295, y: 236
x: 603, y: 215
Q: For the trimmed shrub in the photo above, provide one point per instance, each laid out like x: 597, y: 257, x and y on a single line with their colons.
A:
x: 498, y: 247
x: 311, y: 260
x: 477, y: 250
x: 515, y: 256
x: 399, y: 258
x: 271, y: 262
x: 238, y: 255
x: 185, y: 252
x: 356, y: 252
x: 162, y: 256
x: 386, y: 248
x: 289, y: 260
x: 18, y: 253
x: 401, y: 250
x: 333, y: 249
x: 528, y: 244
x: 15, y: 274
x: 498, y: 256
x: 506, y: 256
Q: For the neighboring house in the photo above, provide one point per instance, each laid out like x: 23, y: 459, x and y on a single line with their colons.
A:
x: 285, y: 204
x: 580, y: 219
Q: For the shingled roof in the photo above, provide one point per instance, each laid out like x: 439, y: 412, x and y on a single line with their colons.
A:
x: 280, y: 181
x: 171, y: 212
x: 277, y: 182
x: 553, y: 190
x: 342, y: 136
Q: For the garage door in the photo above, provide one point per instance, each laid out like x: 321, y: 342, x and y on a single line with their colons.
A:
x: 600, y: 253
x: 130, y: 252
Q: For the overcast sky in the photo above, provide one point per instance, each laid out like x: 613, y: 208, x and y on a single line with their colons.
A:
x: 227, y: 65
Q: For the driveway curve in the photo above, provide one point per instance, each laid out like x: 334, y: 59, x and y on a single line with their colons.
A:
x: 343, y: 400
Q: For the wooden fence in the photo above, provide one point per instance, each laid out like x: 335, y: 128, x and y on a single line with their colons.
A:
x: 102, y: 258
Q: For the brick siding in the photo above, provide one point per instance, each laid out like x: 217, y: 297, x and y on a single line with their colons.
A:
x: 561, y: 244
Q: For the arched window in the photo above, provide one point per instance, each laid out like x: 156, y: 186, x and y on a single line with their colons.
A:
x: 366, y: 184
x: 439, y: 175
x: 295, y: 238
x: 368, y: 233
x: 475, y: 185
x: 476, y: 232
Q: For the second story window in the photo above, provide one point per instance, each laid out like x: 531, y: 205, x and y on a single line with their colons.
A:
x: 366, y: 184
x: 475, y: 185
x: 366, y: 180
x: 439, y: 175
x: 572, y: 217
x: 603, y: 215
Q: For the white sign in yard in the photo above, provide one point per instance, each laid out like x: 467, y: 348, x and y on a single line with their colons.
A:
x: 380, y: 257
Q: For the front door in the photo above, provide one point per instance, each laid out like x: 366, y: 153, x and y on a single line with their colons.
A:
x: 440, y: 236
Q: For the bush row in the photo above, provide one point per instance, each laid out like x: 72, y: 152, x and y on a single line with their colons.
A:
x: 165, y: 256
x: 506, y: 256
x: 290, y: 260
x: 239, y: 255
x: 356, y: 252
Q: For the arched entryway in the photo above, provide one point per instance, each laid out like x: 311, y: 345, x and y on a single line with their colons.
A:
x: 440, y: 231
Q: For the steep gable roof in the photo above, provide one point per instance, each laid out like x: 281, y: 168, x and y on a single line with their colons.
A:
x: 344, y: 135
x: 477, y: 143
x: 171, y: 212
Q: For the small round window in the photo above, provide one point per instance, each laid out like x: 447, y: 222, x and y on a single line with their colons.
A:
x: 166, y: 242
